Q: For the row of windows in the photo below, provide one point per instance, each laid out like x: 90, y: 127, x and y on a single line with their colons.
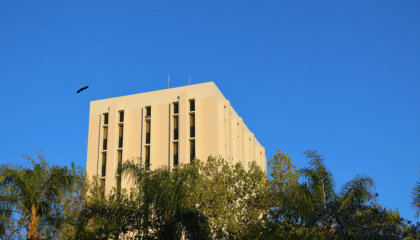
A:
x: 148, y: 123
x: 106, y: 117
x: 175, y: 143
x: 120, y: 133
x: 104, y: 161
x: 119, y: 151
x: 192, y: 151
x: 192, y: 106
x: 120, y: 138
x: 103, y: 173
x: 192, y: 132
x: 105, y: 146
x: 148, y: 135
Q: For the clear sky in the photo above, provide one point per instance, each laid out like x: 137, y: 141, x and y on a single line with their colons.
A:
x: 340, y: 77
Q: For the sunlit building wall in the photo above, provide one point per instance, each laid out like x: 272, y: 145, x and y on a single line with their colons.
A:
x: 167, y: 127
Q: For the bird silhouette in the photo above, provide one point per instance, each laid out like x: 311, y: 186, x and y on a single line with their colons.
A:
x: 82, y: 89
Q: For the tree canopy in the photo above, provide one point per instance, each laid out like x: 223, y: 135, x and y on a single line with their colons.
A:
x: 28, y: 195
x: 416, y: 198
x: 210, y: 199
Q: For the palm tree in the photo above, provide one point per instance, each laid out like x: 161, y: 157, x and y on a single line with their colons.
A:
x: 138, y: 173
x: 155, y: 208
x: 105, y: 217
x: 416, y: 199
x: 316, y: 193
x: 29, y: 195
x: 170, y: 216
x: 162, y: 196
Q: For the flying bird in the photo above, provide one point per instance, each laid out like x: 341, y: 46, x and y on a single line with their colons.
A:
x: 82, y: 89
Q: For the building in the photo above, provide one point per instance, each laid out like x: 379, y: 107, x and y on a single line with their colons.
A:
x: 167, y: 127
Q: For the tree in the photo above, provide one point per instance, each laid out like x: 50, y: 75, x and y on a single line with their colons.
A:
x: 284, y: 221
x: 232, y: 198
x: 304, y: 203
x: 317, y: 191
x: 9, y: 230
x: 368, y: 221
x: 155, y: 209
x: 171, y: 216
x: 27, y: 195
x: 110, y: 216
x: 71, y: 202
x: 282, y: 187
x: 415, y: 203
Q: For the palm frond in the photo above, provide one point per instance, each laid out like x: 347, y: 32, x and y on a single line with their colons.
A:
x: 31, y: 193
x: 359, y: 190
x: 415, y: 196
x: 318, y: 178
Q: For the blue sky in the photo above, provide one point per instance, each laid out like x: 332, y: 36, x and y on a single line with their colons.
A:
x: 340, y: 77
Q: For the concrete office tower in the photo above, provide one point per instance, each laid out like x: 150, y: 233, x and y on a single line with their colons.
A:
x: 167, y: 127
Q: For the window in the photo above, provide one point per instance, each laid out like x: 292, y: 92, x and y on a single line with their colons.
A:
x: 105, y: 118
x: 119, y: 158
x: 122, y: 116
x: 120, y: 136
x: 103, y: 164
x: 175, y: 108
x: 103, y: 186
x: 175, y: 154
x: 105, y: 138
x: 148, y: 132
x: 192, y: 105
x: 119, y: 176
x: 192, y: 150
x: 192, y: 125
x: 175, y: 128
x: 118, y: 187
x: 192, y: 119
x: 147, y: 161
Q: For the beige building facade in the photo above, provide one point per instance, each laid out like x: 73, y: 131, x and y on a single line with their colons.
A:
x: 167, y: 127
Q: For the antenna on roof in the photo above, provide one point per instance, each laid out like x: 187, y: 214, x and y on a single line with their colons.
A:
x: 189, y: 81
x: 168, y: 81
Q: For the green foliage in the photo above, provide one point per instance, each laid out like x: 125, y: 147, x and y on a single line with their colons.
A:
x: 171, y: 217
x: 105, y: 217
x: 71, y: 202
x: 284, y: 201
x: 415, y: 196
x: 360, y: 221
x: 232, y: 198
x: 318, y: 185
x: 9, y: 230
x: 155, y: 209
x: 282, y: 188
x: 317, y: 191
x: 284, y: 230
x: 28, y: 196
x: 200, y: 200
x: 301, y: 200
